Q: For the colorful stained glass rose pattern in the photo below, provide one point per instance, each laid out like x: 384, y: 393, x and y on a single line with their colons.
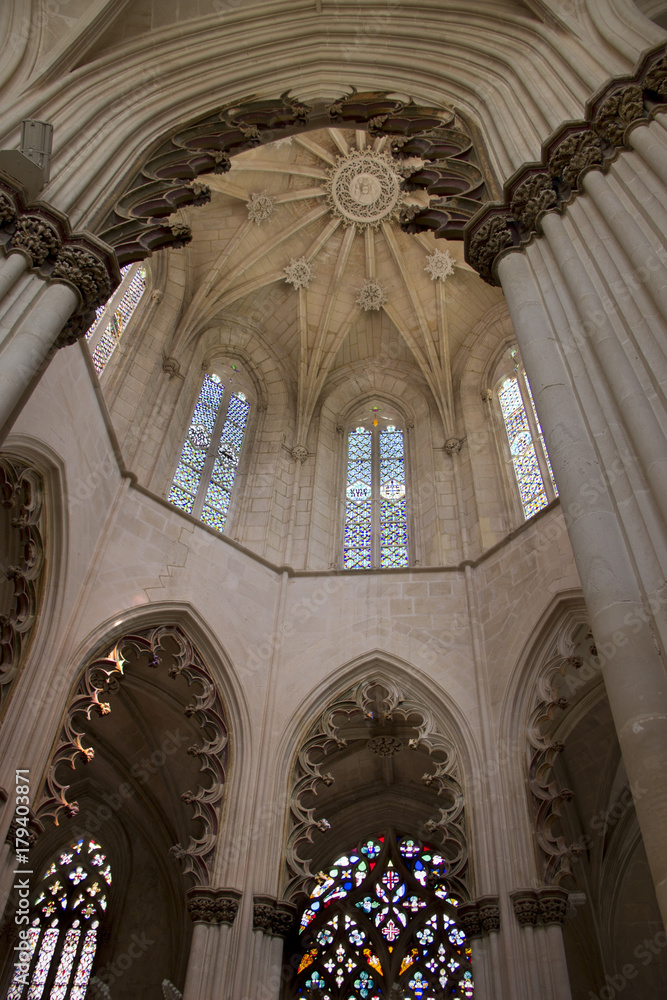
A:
x: 62, y: 938
x: 383, y: 915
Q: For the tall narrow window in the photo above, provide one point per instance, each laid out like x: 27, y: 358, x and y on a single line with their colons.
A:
x: 383, y: 920
x: 61, y: 939
x: 376, y: 522
x: 112, y: 318
x: 530, y: 460
x: 205, y: 475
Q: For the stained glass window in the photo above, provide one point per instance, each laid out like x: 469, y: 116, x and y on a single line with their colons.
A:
x: 532, y: 468
x: 382, y: 916
x: 206, y: 471
x: 69, y: 900
x: 112, y: 318
x: 376, y: 522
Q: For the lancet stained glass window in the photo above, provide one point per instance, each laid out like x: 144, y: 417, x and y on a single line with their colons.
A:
x: 206, y: 471
x: 376, y: 521
x: 60, y: 942
x: 532, y: 467
x: 382, y: 916
x: 112, y: 318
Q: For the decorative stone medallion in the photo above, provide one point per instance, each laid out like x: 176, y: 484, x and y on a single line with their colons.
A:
x: 364, y: 188
x: 372, y: 295
x: 440, y: 264
x: 298, y: 272
x: 260, y: 207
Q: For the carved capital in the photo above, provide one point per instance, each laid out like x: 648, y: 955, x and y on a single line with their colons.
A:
x: 553, y: 904
x: 619, y: 111
x: 213, y: 906
x: 547, y: 905
x: 468, y: 914
x: 480, y: 916
x: 576, y: 153
x: 655, y: 80
x: 492, y: 237
x: 534, y: 195
x: 526, y: 906
x: 36, y: 239
x: 8, y: 210
x: 273, y: 917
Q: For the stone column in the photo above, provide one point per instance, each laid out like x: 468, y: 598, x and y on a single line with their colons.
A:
x: 480, y: 919
x: 272, y: 921
x: 51, y: 282
x: 540, y: 913
x: 209, y: 969
x: 625, y: 615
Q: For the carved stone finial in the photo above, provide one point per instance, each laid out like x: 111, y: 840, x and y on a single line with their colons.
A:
x: 222, y: 162
x: 169, y: 991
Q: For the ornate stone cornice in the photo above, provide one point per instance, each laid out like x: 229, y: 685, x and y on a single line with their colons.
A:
x: 480, y: 916
x: 573, y: 149
x: 272, y: 916
x: 213, y: 906
x: 547, y: 905
x: 43, y: 236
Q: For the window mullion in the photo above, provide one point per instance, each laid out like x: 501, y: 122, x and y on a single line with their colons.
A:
x: 211, y: 454
x: 537, y: 437
x: 375, y: 498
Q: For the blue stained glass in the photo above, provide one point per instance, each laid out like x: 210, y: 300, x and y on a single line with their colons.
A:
x: 410, y: 941
x: 189, y: 472
x: 119, y: 320
x: 539, y: 428
x: 526, y: 465
x: 358, y: 504
x: 393, y: 510
x: 216, y: 502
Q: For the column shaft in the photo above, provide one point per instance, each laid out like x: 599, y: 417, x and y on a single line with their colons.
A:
x: 622, y: 615
x: 26, y: 350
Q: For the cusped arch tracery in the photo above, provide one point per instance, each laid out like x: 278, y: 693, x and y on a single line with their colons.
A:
x: 145, y: 676
x: 371, y: 751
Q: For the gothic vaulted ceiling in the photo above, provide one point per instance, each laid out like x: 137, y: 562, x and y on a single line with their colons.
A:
x: 301, y: 238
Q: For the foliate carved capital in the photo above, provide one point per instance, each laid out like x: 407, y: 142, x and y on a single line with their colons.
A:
x: 553, y: 904
x: 553, y: 183
x: 617, y: 112
x: 86, y: 272
x: 272, y: 916
x: 536, y: 194
x: 578, y: 152
x: 526, y: 906
x: 36, y: 239
x: 492, y: 237
x: 547, y: 905
x: 213, y: 906
x: 8, y: 210
x: 480, y: 916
